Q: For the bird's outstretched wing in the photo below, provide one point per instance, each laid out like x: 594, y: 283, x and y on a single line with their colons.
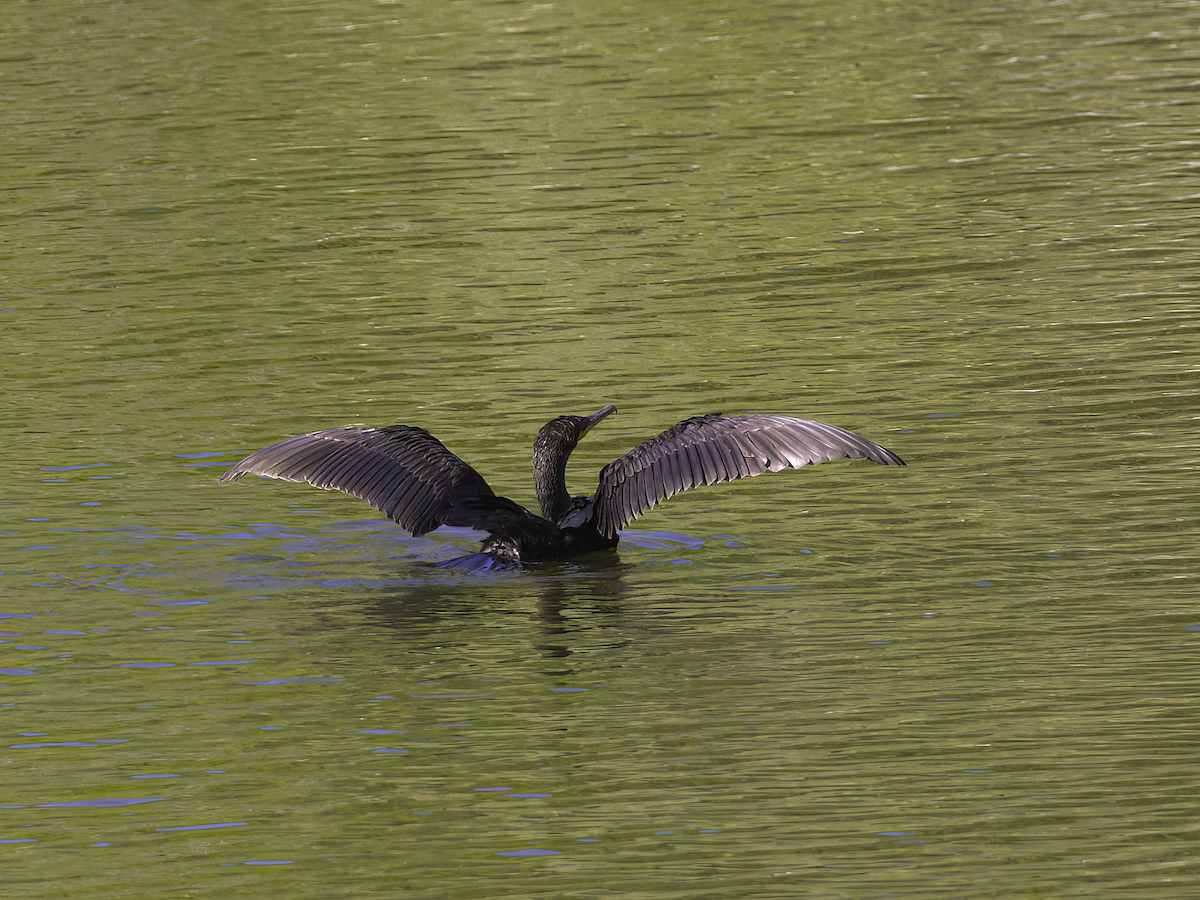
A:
x: 715, y: 448
x: 404, y: 472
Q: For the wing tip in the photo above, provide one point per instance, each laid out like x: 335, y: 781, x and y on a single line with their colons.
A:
x: 887, y: 457
x: 232, y: 474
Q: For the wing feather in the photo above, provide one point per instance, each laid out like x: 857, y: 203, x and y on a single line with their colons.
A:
x: 752, y: 457
x: 735, y: 459
x: 695, y: 476
x: 404, y: 472
x: 716, y: 448
x: 645, y: 487
x: 709, y: 465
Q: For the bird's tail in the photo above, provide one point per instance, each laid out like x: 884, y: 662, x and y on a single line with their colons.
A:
x: 477, y: 562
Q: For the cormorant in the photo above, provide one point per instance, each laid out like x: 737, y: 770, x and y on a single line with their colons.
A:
x: 409, y: 475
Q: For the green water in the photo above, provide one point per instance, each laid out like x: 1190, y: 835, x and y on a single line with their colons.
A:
x: 965, y: 231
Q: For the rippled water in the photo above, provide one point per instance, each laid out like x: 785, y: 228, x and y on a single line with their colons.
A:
x: 965, y: 232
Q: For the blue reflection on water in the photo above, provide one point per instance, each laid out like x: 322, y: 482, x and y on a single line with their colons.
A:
x: 104, y: 802
x: 203, y: 827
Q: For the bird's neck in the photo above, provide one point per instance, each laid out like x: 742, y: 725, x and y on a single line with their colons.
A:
x: 550, y: 479
x: 550, y: 455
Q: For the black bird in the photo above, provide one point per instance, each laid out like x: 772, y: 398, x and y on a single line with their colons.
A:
x: 408, y: 474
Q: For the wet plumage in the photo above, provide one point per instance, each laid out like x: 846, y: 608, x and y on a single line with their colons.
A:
x: 410, y: 476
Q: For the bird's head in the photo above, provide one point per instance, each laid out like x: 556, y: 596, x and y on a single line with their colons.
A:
x: 560, y: 436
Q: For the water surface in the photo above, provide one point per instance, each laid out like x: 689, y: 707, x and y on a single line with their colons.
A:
x: 965, y: 232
